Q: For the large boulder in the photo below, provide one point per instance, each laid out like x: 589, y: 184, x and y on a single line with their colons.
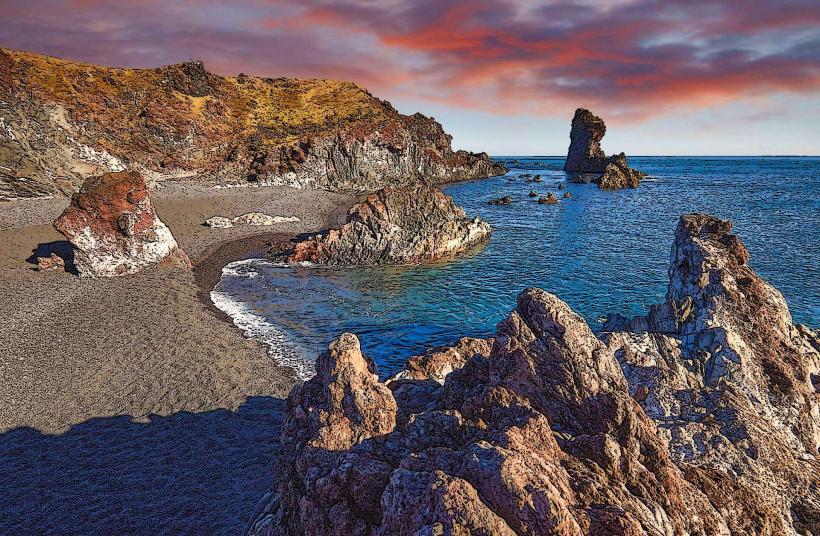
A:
x: 585, y: 156
x: 732, y: 382
x: 114, y: 230
x: 405, y: 225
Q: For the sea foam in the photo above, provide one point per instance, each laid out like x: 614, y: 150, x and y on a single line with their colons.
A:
x: 280, y: 348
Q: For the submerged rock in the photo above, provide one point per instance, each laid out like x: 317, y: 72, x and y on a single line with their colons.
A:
x: 585, y: 155
x: 506, y: 200
x: 114, y: 230
x: 705, y: 424
x: 396, y: 226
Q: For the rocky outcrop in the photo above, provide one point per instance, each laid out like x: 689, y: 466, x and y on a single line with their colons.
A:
x: 114, y: 230
x: 731, y: 381
x: 700, y: 420
x: 617, y: 174
x: 585, y: 155
x: 62, y: 122
x: 539, y: 437
x: 405, y: 225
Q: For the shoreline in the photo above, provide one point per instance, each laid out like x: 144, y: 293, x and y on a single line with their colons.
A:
x: 151, y: 343
x: 207, y: 268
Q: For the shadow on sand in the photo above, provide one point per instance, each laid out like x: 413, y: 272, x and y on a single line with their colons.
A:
x: 62, y: 248
x: 187, y: 473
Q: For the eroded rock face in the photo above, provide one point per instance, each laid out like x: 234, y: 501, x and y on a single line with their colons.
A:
x: 114, y: 230
x: 585, y: 155
x: 540, y: 436
x: 316, y: 134
x: 728, y: 377
x: 396, y: 226
x: 702, y: 421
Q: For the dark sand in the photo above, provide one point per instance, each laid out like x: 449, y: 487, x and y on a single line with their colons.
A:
x: 130, y: 405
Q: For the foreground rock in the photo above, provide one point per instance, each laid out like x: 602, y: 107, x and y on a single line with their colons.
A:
x: 585, y: 155
x: 732, y: 382
x: 707, y: 427
x: 114, y: 230
x: 396, y: 226
x: 62, y: 122
x: 539, y: 437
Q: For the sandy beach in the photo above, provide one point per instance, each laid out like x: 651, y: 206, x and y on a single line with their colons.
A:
x: 132, y: 399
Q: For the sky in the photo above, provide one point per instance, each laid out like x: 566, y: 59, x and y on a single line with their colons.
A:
x: 504, y: 76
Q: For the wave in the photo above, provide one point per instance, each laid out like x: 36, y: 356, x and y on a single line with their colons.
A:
x: 280, y: 347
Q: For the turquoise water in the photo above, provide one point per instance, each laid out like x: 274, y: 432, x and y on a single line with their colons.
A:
x: 600, y: 251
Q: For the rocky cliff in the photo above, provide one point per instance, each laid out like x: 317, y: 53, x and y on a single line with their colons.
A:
x: 406, y: 225
x: 62, y: 122
x: 701, y: 420
x: 585, y: 156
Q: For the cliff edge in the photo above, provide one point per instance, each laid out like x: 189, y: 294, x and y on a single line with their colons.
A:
x: 62, y: 122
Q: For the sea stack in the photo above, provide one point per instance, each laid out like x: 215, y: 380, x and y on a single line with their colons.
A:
x: 114, y: 230
x: 407, y: 225
x: 585, y: 155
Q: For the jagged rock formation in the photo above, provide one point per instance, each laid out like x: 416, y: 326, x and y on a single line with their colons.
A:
x: 585, y: 155
x: 709, y: 427
x: 114, y: 230
x: 405, y: 225
x: 539, y: 437
x: 732, y: 382
x: 62, y: 122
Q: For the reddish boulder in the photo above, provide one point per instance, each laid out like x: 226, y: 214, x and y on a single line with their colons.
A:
x: 114, y: 230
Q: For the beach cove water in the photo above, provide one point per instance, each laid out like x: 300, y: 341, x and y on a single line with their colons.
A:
x: 600, y: 251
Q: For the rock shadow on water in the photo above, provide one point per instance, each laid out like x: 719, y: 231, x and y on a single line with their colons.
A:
x: 186, y: 473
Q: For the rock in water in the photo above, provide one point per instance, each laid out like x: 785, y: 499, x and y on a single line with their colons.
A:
x: 705, y: 422
x: 585, y: 155
x: 729, y: 378
x: 396, y: 226
x: 114, y: 230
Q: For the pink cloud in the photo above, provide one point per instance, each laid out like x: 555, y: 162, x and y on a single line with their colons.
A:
x: 636, y: 59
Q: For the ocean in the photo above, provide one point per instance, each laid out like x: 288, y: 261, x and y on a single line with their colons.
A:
x: 600, y: 251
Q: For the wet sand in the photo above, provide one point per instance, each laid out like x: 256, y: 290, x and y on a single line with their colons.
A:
x: 131, y: 404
